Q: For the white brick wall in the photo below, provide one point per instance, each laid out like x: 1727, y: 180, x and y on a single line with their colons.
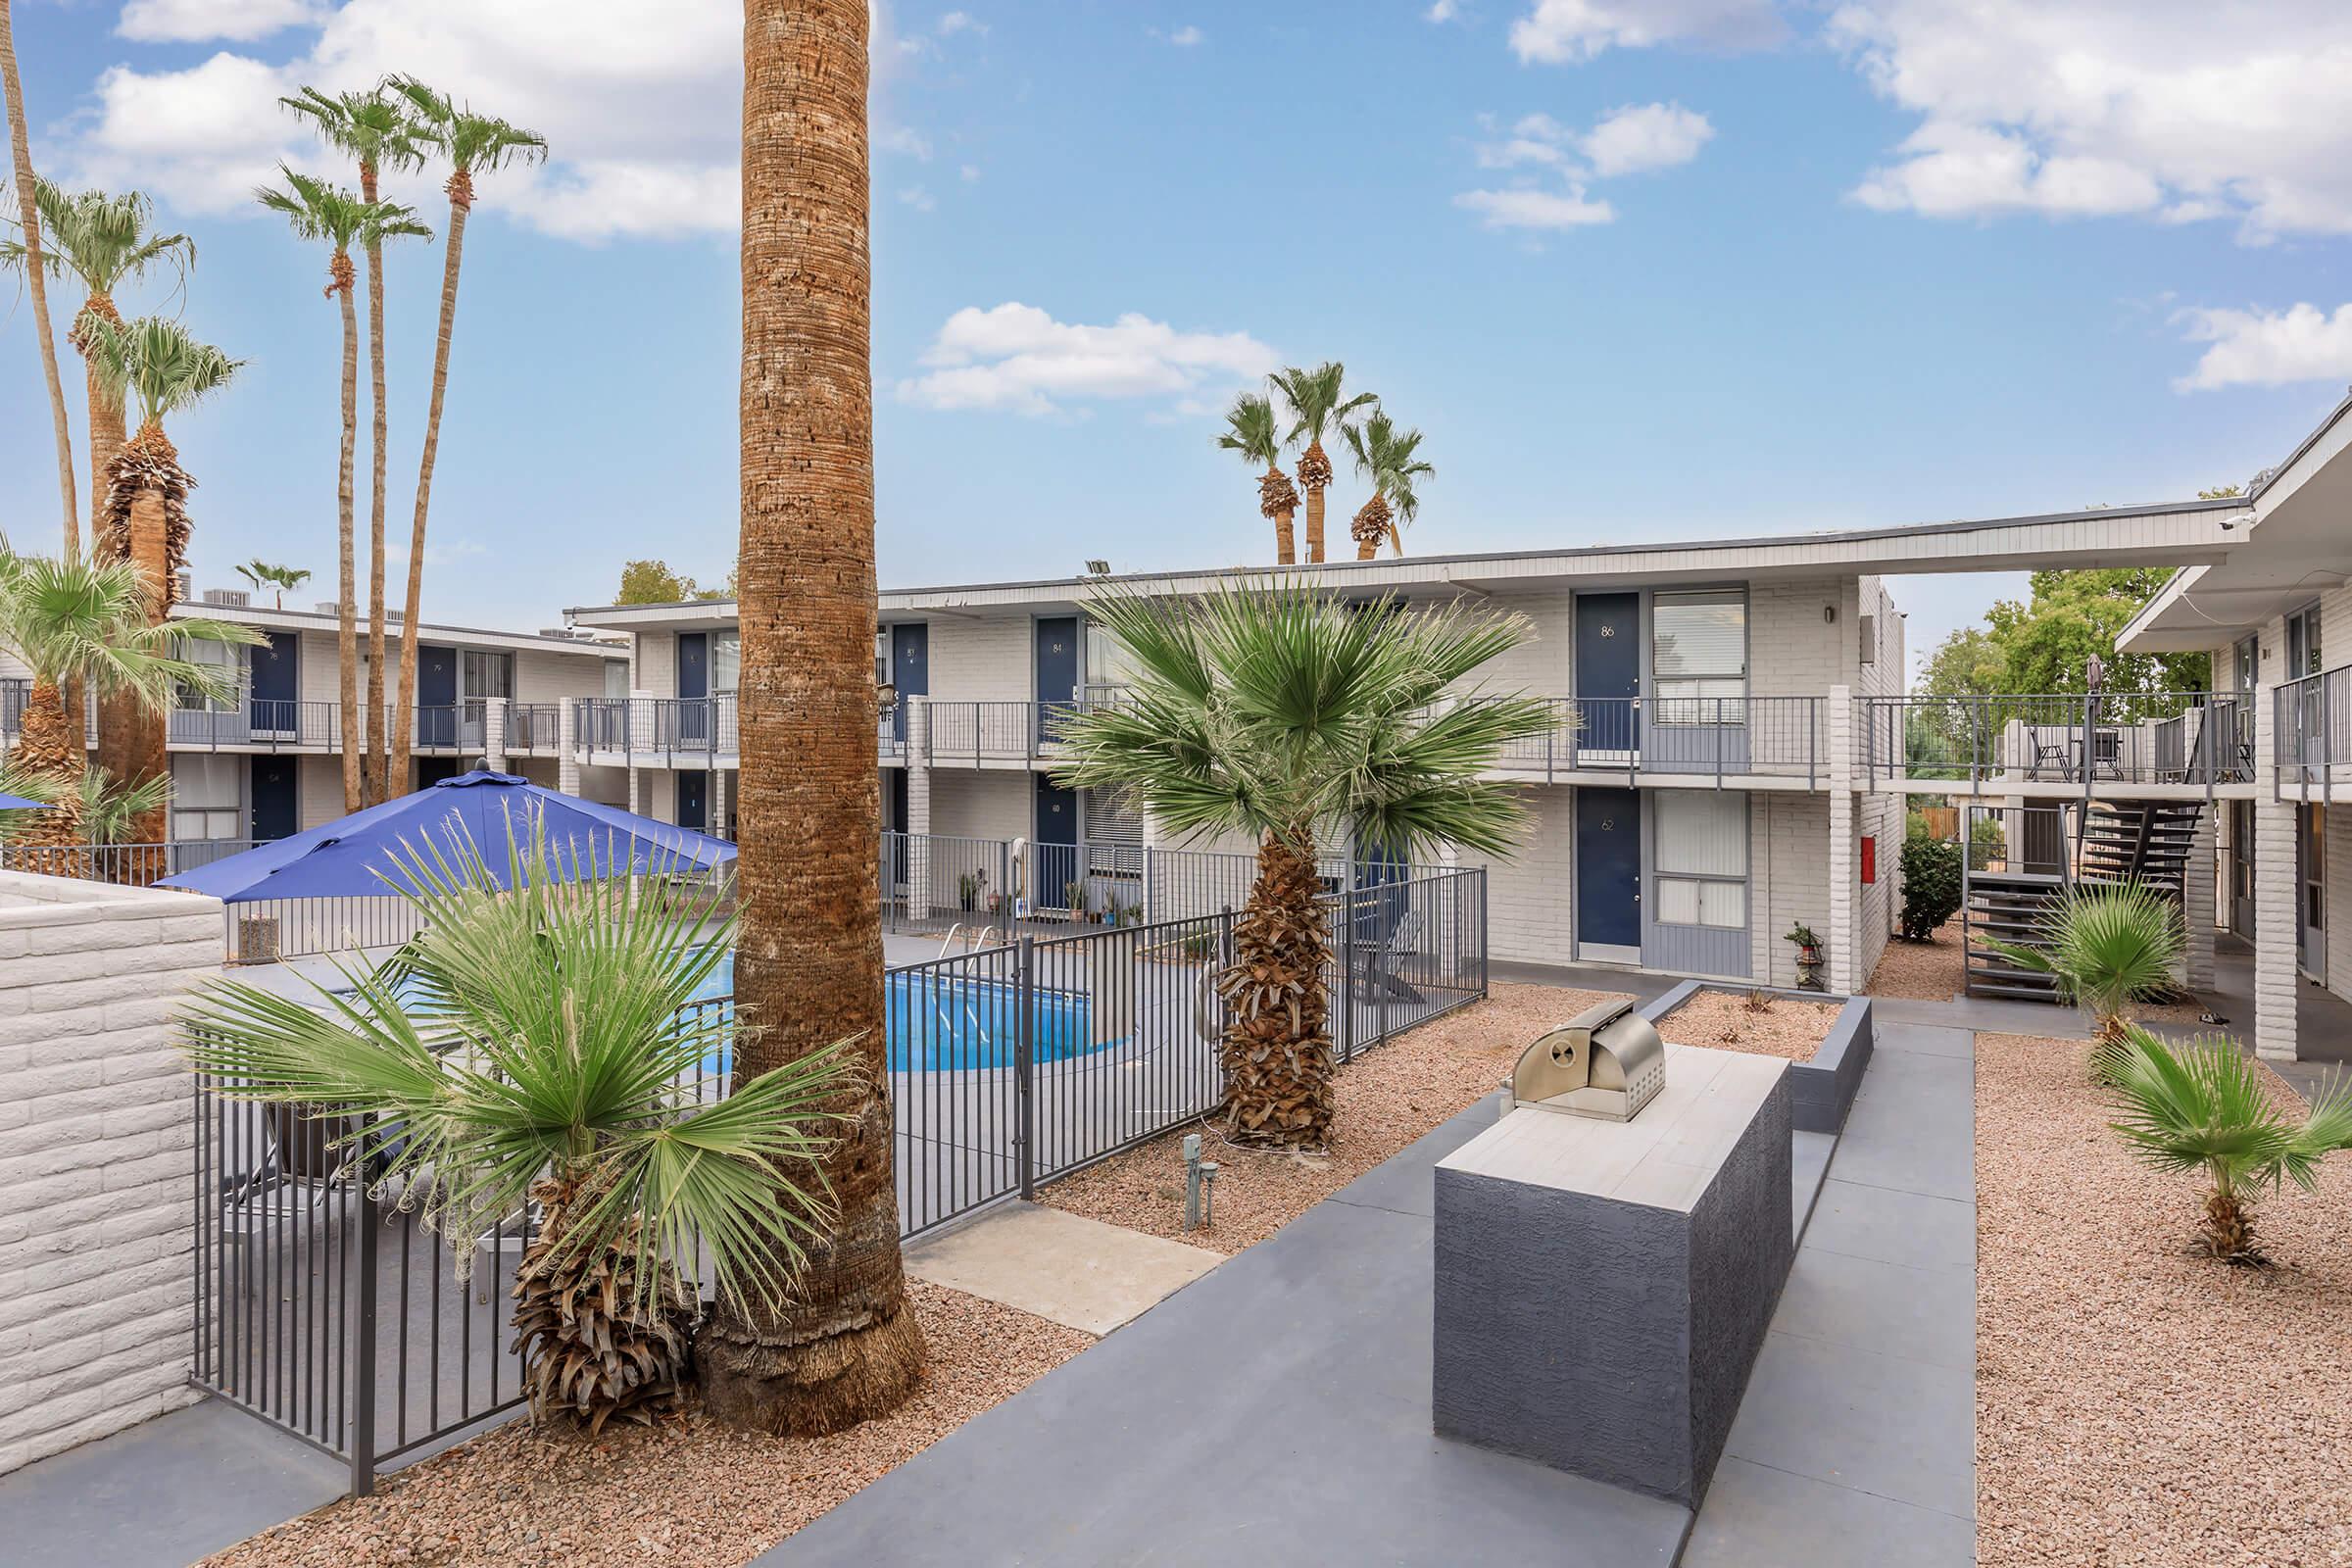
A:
x: 987, y: 661
x: 983, y: 804
x: 1531, y: 897
x: 96, y: 1145
x: 1788, y: 864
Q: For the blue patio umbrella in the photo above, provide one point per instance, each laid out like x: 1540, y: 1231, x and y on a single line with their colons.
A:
x: 18, y: 803
x: 354, y: 856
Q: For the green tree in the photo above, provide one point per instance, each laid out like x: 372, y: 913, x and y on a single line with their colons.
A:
x: 1271, y: 712
x: 280, y: 580
x: 1318, y: 405
x: 651, y: 582
x: 533, y: 1044
x: 2107, y: 945
x: 2046, y: 642
x: 1384, y: 456
x: 1966, y: 663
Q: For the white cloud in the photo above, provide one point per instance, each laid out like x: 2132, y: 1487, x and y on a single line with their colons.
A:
x: 1645, y: 136
x: 1184, y: 37
x: 1018, y: 357
x: 1531, y: 207
x: 196, y: 21
x: 956, y: 22
x: 970, y: 172
x: 1567, y: 31
x: 905, y: 139
x: 919, y: 198
x: 1441, y: 10
x: 2180, y: 110
x: 2268, y: 347
x: 641, y: 105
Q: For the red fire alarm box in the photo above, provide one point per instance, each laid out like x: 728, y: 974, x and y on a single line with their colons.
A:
x: 1870, y: 859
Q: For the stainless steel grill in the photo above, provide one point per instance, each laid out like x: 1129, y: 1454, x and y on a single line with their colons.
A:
x: 1606, y: 1063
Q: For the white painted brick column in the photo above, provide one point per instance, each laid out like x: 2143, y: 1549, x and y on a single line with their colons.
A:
x: 2197, y: 903
x: 96, y: 1152
x: 716, y: 824
x: 1844, y: 935
x: 918, y: 811
x: 637, y: 791
x: 2276, y: 892
x: 494, y: 734
x: 568, y: 755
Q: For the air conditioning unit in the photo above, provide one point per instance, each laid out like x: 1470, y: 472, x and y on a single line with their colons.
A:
x: 229, y: 598
x: 330, y: 607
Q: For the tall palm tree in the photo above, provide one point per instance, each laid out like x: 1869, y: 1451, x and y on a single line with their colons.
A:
x: 104, y: 242
x: 319, y: 211
x: 1251, y: 431
x: 20, y: 146
x: 809, y: 967
x: 1384, y: 455
x: 373, y: 130
x: 535, y: 1044
x: 90, y: 622
x: 162, y: 367
x: 1272, y: 711
x: 470, y: 144
x: 1317, y: 404
x: 280, y: 579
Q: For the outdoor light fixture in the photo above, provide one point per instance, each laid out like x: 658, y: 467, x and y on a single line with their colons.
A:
x: 886, y: 697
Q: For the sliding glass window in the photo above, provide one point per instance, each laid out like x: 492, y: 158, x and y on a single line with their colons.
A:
x: 1701, y: 858
x: 1699, y: 656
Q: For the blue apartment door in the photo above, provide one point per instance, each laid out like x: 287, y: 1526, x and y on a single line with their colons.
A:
x: 276, y: 684
x: 276, y: 808
x: 1608, y: 671
x: 436, y: 696
x: 1054, y: 853
x: 1056, y: 672
x: 694, y: 685
x: 693, y: 801
x: 909, y: 669
x: 1608, y: 872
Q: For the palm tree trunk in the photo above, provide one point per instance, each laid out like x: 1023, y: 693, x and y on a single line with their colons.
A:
x: 1314, y: 523
x: 377, y: 769
x: 146, y: 751
x: 346, y: 627
x: 844, y: 1347
x: 116, y: 741
x: 50, y: 746
x: 20, y: 146
x: 1277, y: 1048
x: 1314, y: 476
x: 460, y: 202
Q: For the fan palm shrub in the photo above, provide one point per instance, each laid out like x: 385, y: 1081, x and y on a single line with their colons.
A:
x: 538, y: 1043
x: 2204, y: 1107
x: 1272, y: 711
x: 2106, y: 945
x: 1251, y: 431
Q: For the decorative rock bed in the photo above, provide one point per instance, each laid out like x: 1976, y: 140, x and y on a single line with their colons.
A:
x: 1822, y: 1086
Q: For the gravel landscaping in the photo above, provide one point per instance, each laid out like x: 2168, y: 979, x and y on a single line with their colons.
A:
x: 1920, y: 971
x: 1385, y: 1099
x: 688, y: 1491
x: 2136, y: 1405
x: 1786, y: 1027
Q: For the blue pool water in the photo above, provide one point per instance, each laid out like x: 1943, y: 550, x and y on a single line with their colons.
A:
x: 946, y: 1022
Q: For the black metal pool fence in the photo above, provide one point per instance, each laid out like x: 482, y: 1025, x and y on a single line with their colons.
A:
x: 325, y: 1306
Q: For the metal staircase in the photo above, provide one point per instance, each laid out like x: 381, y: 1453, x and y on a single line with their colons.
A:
x: 2114, y: 841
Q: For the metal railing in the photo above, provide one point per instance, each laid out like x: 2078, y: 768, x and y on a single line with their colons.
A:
x: 2193, y: 738
x: 534, y: 728
x: 998, y: 731
x: 2311, y: 729
x: 664, y: 726
x: 1683, y: 736
x: 132, y: 864
x: 934, y: 882
x: 324, y: 1306
x: 256, y: 723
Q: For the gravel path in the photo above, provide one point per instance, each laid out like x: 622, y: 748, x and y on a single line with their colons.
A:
x: 1786, y: 1027
x: 2136, y: 1405
x: 1922, y: 971
x: 1385, y: 1099
x: 688, y: 1492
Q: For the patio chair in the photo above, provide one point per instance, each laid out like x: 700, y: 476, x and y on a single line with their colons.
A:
x: 299, y: 1174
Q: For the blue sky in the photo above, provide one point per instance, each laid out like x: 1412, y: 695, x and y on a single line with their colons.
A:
x: 1678, y: 269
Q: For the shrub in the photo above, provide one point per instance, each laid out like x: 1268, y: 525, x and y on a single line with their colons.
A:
x: 2106, y: 946
x: 1931, y: 885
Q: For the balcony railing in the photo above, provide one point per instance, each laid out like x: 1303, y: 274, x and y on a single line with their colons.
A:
x: 999, y: 731
x: 668, y: 726
x: 257, y: 722
x: 2197, y: 738
x: 1685, y: 736
x: 2312, y: 725
x: 534, y: 728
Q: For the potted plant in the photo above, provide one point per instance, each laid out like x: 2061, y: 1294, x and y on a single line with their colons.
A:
x: 967, y: 889
x: 1808, y: 956
x: 1075, y: 894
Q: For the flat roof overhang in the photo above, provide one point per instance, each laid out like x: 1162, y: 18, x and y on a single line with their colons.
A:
x: 2296, y: 545
x: 2174, y: 534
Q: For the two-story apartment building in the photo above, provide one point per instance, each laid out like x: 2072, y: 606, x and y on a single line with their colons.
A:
x: 268, y: 762
x: 2276, y: 616
x: 1731, y: 758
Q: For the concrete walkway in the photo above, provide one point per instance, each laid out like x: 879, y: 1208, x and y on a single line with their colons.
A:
x: 1062, y: 1267
x: 1856, y: 1441
x: 162, y: 1493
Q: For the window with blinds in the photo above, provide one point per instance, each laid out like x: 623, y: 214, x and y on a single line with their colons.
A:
x: 1700, y: 870
x: 1114, y: 835
x: 208, y: 795
x: 1699, y: 656
x: 227, y: 660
